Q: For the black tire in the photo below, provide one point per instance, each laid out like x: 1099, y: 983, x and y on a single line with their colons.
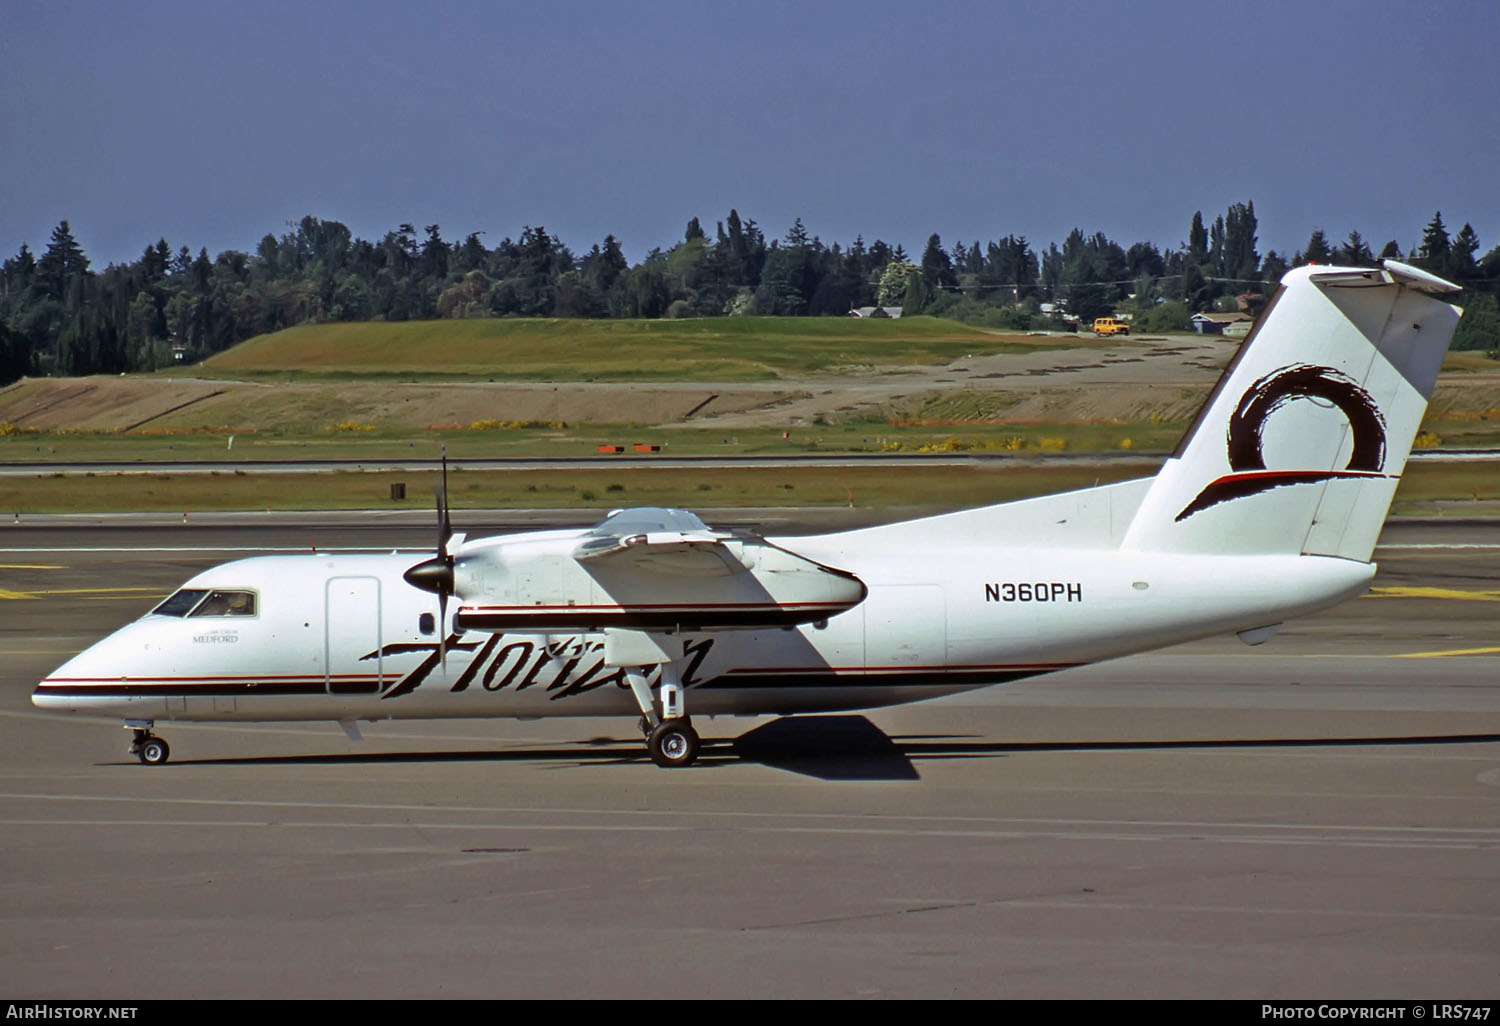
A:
x: 154, y: 751
x: 672, y: 744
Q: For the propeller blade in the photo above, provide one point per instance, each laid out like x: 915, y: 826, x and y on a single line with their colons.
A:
x: 445, y: 526
x: 436, y: 574
x: 443, y: 631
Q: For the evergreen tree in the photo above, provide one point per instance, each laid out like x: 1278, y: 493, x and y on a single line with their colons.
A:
x: 796, y: 236
x: 1461, y: 264
x: 603, y: 267
x: 1241, y: 262
x: 182, y: 264
x: 1195, y: 289
x: 789, y: 273
x: 155, y: 260
x: 973, y: 260
x: 937, y: 267
x: 435, y: 254
x: 17, y: 274
x: 1052, y: 271
x: 202, y: 272
x: 15, y: 355
x: 1355, y: 252
x: 63, y: 261
x: 1143, y: 258
x: 1272, y: 269
x: 1317, y: 251
x: 469, y: 256
x: 1434, y: 251
x: 61, y: 317
x: 1197, y: 250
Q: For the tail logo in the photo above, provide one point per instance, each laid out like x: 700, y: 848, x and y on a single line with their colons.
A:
x: 1265, y: 397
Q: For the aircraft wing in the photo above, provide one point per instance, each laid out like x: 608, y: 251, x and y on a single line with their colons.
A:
x: 669, y: 541
x: 669, y: 552
x: 647, y: 569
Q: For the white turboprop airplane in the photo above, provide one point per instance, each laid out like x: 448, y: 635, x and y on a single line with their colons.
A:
x: 1269, y: 509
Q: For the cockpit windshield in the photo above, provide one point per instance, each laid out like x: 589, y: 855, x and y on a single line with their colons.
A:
x: 181, y: 603
x: 203, y: 602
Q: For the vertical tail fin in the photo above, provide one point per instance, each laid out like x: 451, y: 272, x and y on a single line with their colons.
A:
x: 1301, y: 445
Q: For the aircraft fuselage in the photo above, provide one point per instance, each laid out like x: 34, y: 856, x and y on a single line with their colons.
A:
x: 344, y: 637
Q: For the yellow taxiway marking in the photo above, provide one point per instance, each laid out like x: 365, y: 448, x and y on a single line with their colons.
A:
x: 1483, y: 595
x: 1493, y: 650
x: 32, y: 566
x: 122, y: 592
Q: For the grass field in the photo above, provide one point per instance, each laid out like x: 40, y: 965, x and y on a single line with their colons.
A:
x: 1453, y: 489
x: 866, y: 487
x: 707, y: 349
x: 1142, y: 437
x: 860, y: 437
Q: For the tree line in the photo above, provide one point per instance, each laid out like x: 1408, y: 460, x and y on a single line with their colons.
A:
x: 60, y: 317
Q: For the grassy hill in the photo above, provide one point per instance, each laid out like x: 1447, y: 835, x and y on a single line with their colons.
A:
x: 716, y: 349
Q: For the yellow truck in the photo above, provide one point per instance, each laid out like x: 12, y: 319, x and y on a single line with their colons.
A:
x: 1110, y: 326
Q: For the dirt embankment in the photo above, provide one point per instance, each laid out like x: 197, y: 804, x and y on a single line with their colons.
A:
x: 97, y: 403
x: 162, y: 404
x: 1139, y: 380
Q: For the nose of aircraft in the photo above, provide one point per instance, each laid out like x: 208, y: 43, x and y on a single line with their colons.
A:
x: 55, y: 691
x: 76, y: 684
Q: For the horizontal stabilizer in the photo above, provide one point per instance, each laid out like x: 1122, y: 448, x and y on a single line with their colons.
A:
x: 1392, y: 272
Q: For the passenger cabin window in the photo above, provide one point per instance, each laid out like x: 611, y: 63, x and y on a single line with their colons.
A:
x: 203, y: 602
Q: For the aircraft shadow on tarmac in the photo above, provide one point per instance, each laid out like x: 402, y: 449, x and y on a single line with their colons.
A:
x: 848, y: 748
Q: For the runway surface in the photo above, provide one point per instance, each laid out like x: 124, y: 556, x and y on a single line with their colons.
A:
x: 1318, y: 817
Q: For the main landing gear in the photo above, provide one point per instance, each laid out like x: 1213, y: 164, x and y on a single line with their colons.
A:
x: 673, y: 743
x: 670, y: 738
x: 146, y: 746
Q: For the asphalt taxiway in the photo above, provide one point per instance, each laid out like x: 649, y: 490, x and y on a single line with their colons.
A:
x: 1318, y: 817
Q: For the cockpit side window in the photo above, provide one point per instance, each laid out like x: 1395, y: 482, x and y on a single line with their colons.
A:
x: 180, y: 603
x: 226, y: 603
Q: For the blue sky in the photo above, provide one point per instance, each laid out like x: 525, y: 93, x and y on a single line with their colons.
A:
x: 212, y: 123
